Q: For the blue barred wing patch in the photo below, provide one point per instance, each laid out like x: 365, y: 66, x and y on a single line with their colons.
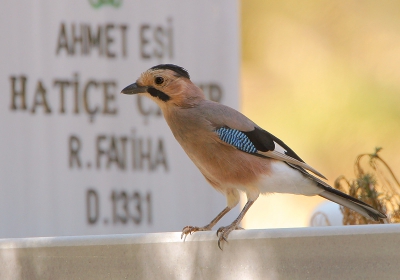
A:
x: 237, y: 139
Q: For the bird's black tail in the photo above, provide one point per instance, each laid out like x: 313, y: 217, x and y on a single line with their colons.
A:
x: 351, y: 202
x: 342, y: 198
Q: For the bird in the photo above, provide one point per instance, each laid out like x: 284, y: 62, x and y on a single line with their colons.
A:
x: 232, y: 152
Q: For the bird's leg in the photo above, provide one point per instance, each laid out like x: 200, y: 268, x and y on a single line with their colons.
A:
x: 190, y: 229
x: 223, y: 232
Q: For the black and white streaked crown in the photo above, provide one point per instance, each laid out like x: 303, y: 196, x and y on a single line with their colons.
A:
x: 177, y: 69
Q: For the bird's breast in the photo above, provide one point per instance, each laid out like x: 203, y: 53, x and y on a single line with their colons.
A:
x: 224, y: 165
x: 219, y: 162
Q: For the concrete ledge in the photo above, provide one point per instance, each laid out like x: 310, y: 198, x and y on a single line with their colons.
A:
x: 352, y: 252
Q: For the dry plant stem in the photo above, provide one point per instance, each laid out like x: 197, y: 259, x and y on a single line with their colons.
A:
x: 365, y: 187
x: 376, y: 156
x: 390, y: 170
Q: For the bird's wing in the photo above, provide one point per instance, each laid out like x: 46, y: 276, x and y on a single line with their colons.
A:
x: 235, y: 129
x: 259, y: 142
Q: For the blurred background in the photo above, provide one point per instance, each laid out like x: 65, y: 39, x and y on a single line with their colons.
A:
x: 78, y: 158
x: 323, y: 76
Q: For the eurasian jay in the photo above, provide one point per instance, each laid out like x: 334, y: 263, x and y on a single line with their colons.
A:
x: 232, y: 152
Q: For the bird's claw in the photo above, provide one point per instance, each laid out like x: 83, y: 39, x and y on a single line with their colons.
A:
x: 219, y: 242
x: 190, y: 229
x: 223, y: 233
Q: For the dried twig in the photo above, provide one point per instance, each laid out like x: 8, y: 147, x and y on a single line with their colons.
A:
x: 372, y: 187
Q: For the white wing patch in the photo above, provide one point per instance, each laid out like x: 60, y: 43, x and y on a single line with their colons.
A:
x: 279, y: 148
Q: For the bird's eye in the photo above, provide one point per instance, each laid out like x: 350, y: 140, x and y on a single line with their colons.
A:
x: 159, y: 80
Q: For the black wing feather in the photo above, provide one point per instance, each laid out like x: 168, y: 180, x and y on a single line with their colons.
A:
x: 264, y: 141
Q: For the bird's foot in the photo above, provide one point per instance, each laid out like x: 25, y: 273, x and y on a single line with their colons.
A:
x: 190, y: 229
x: 223, y: 233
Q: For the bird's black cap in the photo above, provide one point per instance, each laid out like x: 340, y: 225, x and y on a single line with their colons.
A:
x: 177, y: 69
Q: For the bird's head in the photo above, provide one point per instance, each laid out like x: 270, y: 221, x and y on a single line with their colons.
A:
x: 167, y: 85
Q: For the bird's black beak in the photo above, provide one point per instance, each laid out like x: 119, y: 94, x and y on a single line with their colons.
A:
x: 134, y: 89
